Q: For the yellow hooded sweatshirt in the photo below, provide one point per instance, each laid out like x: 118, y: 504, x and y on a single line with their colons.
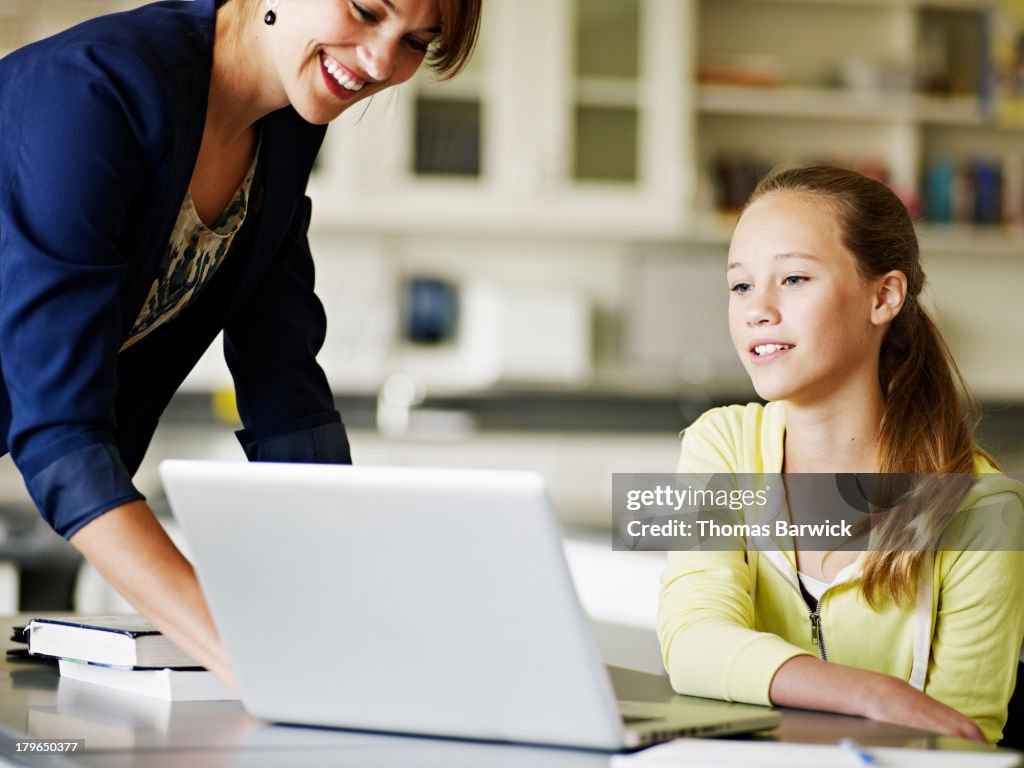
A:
x: 728, y: 620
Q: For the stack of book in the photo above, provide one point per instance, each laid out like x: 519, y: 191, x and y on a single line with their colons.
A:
x: 126, y: 653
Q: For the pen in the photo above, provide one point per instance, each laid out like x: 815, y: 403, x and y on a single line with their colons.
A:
x: 855, y: 755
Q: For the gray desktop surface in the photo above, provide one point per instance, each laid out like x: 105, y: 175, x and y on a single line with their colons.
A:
x: 121, y: 730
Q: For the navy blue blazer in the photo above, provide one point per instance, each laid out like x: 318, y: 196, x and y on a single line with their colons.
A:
x: 101, y: 128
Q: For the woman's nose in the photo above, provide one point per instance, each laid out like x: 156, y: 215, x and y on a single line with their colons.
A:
x: 377, y: 58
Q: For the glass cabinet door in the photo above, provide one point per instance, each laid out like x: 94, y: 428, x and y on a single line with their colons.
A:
x: 447, y: 135
x: 607, y: 70
x: 448, y: 123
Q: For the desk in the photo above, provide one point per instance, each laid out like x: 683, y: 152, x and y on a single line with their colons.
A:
x: 123, y: 731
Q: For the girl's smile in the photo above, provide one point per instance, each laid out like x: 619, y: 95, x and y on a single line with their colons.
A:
x: 765, y: 351
x: 800, y: 314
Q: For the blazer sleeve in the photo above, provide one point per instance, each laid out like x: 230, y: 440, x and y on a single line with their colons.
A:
x: 270, y: 345
x: 73, y: 165
x: 706, y: 614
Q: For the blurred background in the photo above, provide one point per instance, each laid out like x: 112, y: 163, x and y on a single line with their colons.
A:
x: 524, y: 267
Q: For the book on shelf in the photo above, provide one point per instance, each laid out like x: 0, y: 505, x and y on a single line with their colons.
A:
x: 120, y: 641
x: 1003, y: 62
x: 168, y: 684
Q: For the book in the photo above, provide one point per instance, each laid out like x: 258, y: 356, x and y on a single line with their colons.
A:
x: 1002, y: 87
x: 120, y: 641
x: 167, y: 684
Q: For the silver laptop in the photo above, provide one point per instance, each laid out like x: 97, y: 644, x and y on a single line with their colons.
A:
x: 423, y: 601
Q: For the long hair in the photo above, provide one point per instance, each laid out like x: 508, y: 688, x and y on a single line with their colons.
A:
x: 929, y: 416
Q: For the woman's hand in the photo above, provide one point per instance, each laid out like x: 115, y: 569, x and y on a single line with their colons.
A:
x: 810, y: 683
x: 131, y: 550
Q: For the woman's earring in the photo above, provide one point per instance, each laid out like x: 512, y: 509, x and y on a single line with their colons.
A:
x: 270, y: 17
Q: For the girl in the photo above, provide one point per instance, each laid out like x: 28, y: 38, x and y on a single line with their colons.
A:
x: 825, y: 313
x: 152, y: 179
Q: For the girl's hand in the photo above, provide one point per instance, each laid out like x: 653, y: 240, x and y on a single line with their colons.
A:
x: 810, y: 683
x: 895, y: 701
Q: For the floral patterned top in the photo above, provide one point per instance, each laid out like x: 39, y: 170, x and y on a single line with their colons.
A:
x: 194, y: 253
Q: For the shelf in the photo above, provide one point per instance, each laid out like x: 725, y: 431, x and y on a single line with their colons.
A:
x: 834, y: 104
x: 963, y: 240
x: 607, y: 92
x: 968, y: 241
x: 468, y: 86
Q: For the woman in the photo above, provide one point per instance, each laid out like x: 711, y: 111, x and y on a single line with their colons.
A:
x: 152, y: 185
x: 825, y: 314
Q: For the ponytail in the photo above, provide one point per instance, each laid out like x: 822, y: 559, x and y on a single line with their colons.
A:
x: 927, y: 428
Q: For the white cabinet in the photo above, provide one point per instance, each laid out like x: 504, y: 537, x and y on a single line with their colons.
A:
x: 630, y: 118
x: 587, y: 150
x: 585, y: 117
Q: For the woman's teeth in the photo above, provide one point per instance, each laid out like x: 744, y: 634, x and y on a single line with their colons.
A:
x: 767, y: 349
x: 341, y: 75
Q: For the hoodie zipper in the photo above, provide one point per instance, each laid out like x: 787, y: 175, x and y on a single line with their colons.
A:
x: 817, y: 634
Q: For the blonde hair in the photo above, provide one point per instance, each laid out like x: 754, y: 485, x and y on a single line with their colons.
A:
x: 929, y: 415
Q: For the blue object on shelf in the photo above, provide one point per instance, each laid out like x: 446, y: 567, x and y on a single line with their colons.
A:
x: 939, y: 182
x: 987, y: 178
x: 431, y: 310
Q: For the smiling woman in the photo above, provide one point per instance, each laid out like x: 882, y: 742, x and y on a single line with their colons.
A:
x: 448, y: 47
x: 153, y: 183
x: 322, y: 56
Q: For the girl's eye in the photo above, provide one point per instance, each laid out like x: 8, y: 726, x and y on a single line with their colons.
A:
x: 740, y: 288
x: 362, y: 12
x: 795, y: 280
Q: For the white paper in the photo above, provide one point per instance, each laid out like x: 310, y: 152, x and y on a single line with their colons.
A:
x: 710, y: 753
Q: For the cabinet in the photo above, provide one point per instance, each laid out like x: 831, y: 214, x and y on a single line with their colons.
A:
x: 586, y: 148
x: 628, y: 118
x: 634, y: 119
